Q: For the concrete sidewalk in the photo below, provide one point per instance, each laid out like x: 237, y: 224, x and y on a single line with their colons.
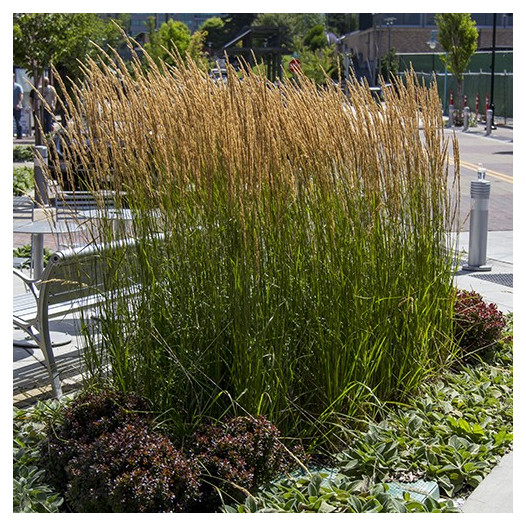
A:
x: 495, y: 493
x: 496, y: 285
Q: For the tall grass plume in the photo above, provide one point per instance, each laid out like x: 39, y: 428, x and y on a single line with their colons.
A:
x: 302, y: 266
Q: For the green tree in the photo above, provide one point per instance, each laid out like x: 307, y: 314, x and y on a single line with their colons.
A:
x: 175, y: 38
x: 215, y: 32
x: 196, y: 51
x: 37, y: 39
x: 458, y: 35
x: 316, y: 38
x: 86, y: 33
x: 62, y: 40
x: 296, y: 24
x: 172, y: 37
x: 320, y: 64
x: 389, y: 65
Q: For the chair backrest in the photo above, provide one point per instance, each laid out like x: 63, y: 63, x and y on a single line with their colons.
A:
x: 23, y: 208
x: 70, y: 204
x: 77, y: 273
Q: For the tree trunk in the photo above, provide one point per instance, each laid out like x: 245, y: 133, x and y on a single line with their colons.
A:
x: 460, y: 103
x: 39, y: 113
x: 460, y: 84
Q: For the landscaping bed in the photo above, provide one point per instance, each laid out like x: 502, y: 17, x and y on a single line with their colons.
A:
x: 23, y: 181
x: 296, y: 336
x: 107, y: 452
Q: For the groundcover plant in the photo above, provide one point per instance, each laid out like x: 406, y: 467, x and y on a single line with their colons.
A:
x: 453, y: 433
x: 292, y: 260
x: 106, y: 451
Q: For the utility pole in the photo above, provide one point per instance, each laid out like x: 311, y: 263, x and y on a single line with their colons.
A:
x: 375, y: 49
x: 389, y: 22
x: 492, y: 85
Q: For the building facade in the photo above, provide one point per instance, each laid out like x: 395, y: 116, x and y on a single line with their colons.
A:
x: 414, y: 33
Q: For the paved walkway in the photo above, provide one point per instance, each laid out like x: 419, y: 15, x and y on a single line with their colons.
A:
x: 495, y: 493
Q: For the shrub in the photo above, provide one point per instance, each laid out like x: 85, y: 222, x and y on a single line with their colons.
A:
x: 104, y: 458
x: 242, y: 454
x: 478, y: 325
x: 131, y: 470
x: 22, y: 154
x: 23, y: 180
x: 88, y: 417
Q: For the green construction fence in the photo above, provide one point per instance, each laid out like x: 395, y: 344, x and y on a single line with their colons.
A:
x: 477, y: 79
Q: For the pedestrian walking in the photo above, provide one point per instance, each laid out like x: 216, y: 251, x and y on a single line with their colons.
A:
x: 18, y: 94
x: 50, y: 96
x: 35, y: 106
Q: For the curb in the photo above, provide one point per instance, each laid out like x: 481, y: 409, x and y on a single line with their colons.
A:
x: 495, y: 493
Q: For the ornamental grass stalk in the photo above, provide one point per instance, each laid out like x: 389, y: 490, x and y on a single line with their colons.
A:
x: 301, y: 265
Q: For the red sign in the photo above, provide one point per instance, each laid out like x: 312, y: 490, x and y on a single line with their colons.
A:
x: 294, y: 65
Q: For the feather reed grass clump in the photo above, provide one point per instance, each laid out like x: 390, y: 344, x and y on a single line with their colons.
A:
x: 302, y: 270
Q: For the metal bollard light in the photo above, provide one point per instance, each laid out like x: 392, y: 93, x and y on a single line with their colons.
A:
x: 466, y: 118
x: 450, y: 122
x: 489, y: 121
x: 41, y: 160
x: 478, y: 223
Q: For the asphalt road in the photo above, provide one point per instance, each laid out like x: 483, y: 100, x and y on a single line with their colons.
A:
x: 495, y: 153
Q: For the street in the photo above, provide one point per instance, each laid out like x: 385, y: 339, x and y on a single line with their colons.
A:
x: 495, y: 153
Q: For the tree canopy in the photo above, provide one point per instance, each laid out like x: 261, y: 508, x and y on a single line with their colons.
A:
x: 60, y: 39
x: 315, y: 38
x: 175, y: 38
x: 321, y: 64
x: 171, y: 37
x: 458, y: 35
x: 296, y: 25
x: 215, y: 32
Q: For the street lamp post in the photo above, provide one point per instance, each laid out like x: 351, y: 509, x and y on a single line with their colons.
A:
x: 492, y: 83
x: 389, y: 22
x: 433, y: 44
